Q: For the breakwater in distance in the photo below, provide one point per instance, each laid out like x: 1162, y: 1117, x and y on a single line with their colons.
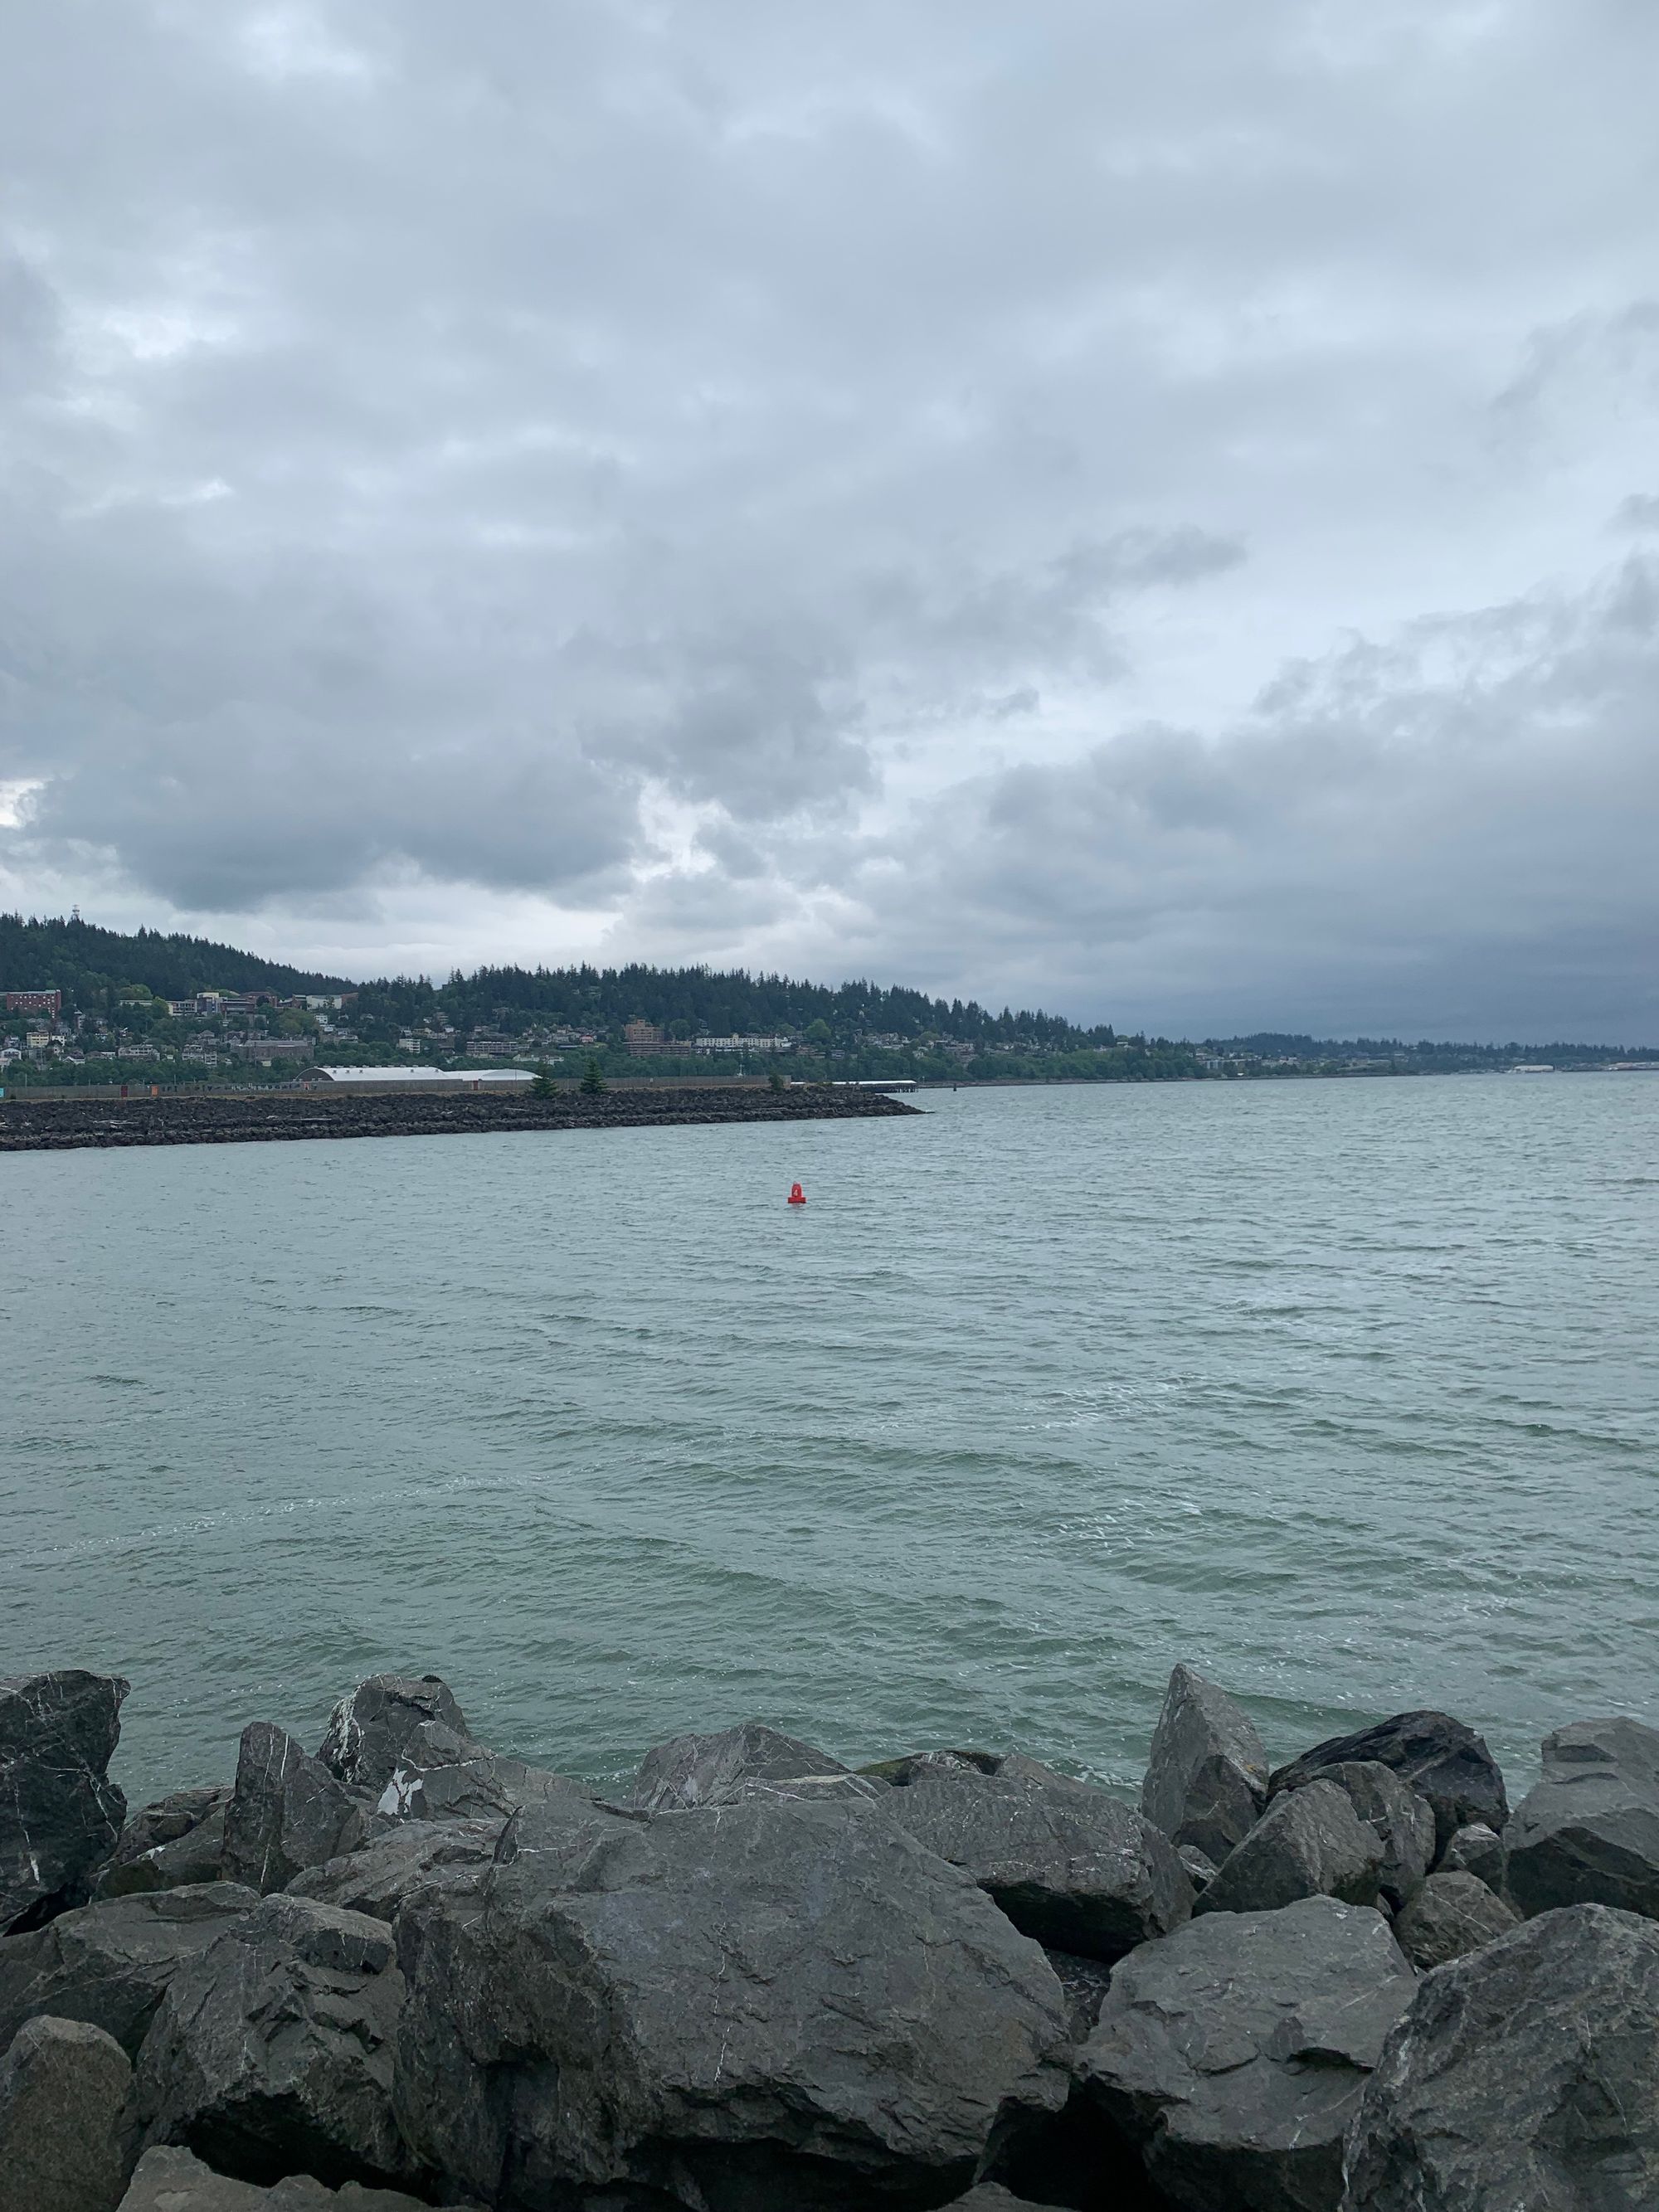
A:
x: 749, y: 1978
x: 42, y: 1124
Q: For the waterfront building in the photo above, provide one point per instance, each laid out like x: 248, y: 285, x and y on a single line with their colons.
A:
x: 743, y: 1044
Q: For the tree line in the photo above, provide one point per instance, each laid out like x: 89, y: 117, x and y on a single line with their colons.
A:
x: 87, y: 963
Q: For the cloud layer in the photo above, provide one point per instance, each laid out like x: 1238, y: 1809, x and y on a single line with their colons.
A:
x: 1151, y: 509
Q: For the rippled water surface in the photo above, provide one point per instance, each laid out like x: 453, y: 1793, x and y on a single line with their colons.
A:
x: 1344, y: 1392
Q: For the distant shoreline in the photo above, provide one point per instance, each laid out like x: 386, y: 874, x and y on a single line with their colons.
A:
x: 37, y: 1123
x: 1272, y: 1075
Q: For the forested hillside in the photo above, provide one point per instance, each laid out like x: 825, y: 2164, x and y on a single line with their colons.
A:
x: 85, y: 962
x: 857, y: 1027
x: 113, y: 1028
x: 690, y: 1002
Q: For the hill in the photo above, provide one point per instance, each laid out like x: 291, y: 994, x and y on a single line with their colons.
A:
x: 86, y: 963
x: 852, y: 1028
x: 688, y: 1002
x: 562, y: 1015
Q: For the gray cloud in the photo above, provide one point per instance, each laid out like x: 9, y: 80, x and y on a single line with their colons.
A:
x: 748, y: 482
x: 1453, y: 831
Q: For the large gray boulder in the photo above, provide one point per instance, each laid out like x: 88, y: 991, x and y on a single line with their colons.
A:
x: 1403, y: 1822
x: 1199, y: 1866
x: 1440, y: 1758
x: 784, y: 1789
x: 1308, y: 1843
x: 272, y: 2051
x: 1451, y: 1914
x: 179, y: 1839
x: 916, y: 1766
x: 401, y: 1743
x: 698, y: 1769
x: 992, y: 2196
x: 110, y: 1963
x: 287, y: 1811
x: 1069, y: 1865
x: 381, y: 1877
x: 1234, y: 2052
x: 1524, y: 2078
x: 171, y: 2180
x: 59, y: 1811
x: 65, y: 2131
x: 488, y: 1786
x: 1478, y: 1849
x: 1588, y: 1833
x: 394, y: 1720
x: 1206, y: 1780
x: 756, y: 2003
x: 168, y: 2180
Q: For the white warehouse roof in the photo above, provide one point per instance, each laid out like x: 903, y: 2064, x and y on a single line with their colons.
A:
x: 417, y: 1076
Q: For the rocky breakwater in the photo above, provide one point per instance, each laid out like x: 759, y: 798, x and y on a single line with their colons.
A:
x: 404, y: 1970
x: 40, y: 1123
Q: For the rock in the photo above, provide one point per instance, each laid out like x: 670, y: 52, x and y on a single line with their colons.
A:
x: 1200, y: 1866
x: 789, y: 1789
x: 1525, y: 2075
x: 171, y: 2181
x: 771, y: 2004
x: 485, y: 1786
x: 1069, y: 1865
x: 1477, y: 1849
x: 692, y: 1770
x: 1440, y: 1758
x: 917, y: 1766
x: 272, y: 2050
x: 404, y: 1742
x: 1234, y: 2051
x: 1403, y: 1822
x: 287, y: 1813
x: 180, y: 1839
x: 1588, y: 1833
x: 394, y: 1720
x: 64, y: 2133
x: 992, y: 2196
x: 1206, y: 1780
x: 1308, y: 1843
x: 471, y: 1789
x: 382, y: 1876
x: 110, y: 1963
x: 1450, y: 1914
x: 60, y: 1813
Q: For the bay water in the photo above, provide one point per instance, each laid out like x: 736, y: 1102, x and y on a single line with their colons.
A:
x: 1345, y: 1391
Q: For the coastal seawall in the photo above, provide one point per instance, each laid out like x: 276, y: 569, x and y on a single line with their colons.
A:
x: 750, y: 1978
x: 45, y: 1124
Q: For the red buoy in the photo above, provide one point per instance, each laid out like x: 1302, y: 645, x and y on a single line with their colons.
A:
x: 796, y: 1195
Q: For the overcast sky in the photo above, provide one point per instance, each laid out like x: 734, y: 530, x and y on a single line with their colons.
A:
x: 1148, y: 507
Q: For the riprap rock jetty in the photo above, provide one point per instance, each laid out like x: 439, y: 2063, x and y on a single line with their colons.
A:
x: 38, y: 1123
x: 405, y: 1970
